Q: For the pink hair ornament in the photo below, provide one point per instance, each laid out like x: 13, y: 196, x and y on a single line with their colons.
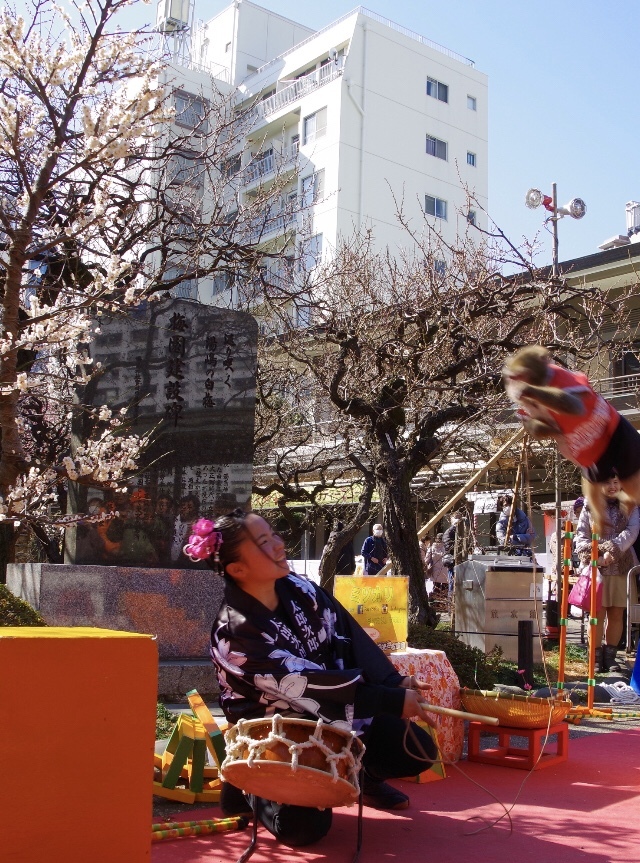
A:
x: 204, y: 542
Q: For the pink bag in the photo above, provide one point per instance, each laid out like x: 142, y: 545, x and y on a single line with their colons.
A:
x: 580, y: 594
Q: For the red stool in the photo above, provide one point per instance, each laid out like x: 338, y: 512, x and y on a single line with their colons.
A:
x: 533, y: 757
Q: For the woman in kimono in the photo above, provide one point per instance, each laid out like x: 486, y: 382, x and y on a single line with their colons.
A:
x: 281, y: 644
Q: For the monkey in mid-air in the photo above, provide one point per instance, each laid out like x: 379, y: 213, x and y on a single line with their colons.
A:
x: 554, y: 402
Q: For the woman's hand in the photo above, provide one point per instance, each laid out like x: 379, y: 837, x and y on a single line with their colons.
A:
x: 414, y: 698
x: 605, y: 559
x: 413, y: 701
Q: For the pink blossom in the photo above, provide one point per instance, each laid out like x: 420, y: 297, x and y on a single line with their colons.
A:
x: 204, y: 542
x: 202, y: 527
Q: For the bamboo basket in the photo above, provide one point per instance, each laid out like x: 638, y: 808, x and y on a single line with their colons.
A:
x: 516, y: 711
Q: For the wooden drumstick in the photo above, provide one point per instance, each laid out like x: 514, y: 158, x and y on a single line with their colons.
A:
x: 461, y: 714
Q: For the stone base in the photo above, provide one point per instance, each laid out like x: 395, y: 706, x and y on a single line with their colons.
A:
x: 177, y: 606
x: 177, y: 677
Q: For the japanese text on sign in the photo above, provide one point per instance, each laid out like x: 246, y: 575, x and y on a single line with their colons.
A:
x: 176, y: 366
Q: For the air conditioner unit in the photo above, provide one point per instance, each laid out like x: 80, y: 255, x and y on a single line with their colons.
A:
x: 633, y: 215
x: 173, y: 15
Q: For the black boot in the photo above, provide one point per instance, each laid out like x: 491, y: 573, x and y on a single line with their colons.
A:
x: 381, y: 795
x: 233, y: 802
x: 599, y: 664
x: 610, y: 662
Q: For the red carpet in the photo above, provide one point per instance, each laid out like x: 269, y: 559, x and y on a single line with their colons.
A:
x: 585, y: 809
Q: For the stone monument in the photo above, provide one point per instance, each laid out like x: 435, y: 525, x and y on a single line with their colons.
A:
x: 186, y: 373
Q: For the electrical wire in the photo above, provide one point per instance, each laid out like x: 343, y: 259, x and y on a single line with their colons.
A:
x: 507, y: 808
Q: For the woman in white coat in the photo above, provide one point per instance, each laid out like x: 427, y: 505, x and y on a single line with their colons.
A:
x: 616, y: 557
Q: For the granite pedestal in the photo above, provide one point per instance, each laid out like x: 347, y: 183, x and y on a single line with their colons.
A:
x: 177, y: 606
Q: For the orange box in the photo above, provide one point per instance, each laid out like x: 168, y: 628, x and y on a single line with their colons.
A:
x: 58, y: 802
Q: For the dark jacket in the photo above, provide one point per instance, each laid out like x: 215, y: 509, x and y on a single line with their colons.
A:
x: 449, y: 542
x: 522, y: 532
x: 374, y: 546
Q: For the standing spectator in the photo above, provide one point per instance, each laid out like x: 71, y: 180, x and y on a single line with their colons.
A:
x: 188, y: 509
x: 165, y: 513
x: 374, y: 551
x: 616, y: 557
x: 522, y: 532
x: 449, y: 542
x: 93, y: 546
x: 137, y: 546
x: 425, y: 545
x: 574, y: 516
x: 437, y: 570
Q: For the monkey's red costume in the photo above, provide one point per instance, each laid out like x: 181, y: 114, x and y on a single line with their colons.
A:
x: 599, y: 440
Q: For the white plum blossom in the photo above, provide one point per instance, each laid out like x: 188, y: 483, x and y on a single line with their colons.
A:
x: 87, y: 142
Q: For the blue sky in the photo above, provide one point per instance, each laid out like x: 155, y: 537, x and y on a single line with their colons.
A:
x: 562, y: 83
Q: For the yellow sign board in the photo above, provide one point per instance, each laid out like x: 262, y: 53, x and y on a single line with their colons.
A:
x: 379, y: 604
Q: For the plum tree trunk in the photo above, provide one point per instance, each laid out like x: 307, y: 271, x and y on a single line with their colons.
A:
x: 399, y: 519
x: 338, y: 539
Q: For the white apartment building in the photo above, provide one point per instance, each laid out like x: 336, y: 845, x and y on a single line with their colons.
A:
x: 364, y: 114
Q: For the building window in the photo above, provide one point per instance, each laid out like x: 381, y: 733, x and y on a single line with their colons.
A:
x: 628, y: 363
x: 190, y: 111
x: 472, y: 104
x: 471, y: 217
x: 312, y: 188
x: 314, y: 126
x: 436, y: 147
x: 282, y: 274
x: 471, y: 159
x: 231, y: 166
x: 435, y: 207
x: 186, y: 289
x: 303, y: 316
x: 221, y: 283
x: 437, y: 89
x: 186, y: 219
x: 439, y: 268
x: 186, y: 169
x: 310, y: 253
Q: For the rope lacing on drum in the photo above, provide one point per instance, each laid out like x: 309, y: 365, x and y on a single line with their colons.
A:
x: 255, y: 748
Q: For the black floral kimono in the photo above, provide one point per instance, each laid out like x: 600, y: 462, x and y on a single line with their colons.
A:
x: 307, y: 658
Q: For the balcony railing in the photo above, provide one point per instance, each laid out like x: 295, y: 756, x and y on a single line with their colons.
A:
x: 298, y: 88
x: 272, y: 224
x: 623, y: 385
x: 266, y: 165
x: 186, y: 290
